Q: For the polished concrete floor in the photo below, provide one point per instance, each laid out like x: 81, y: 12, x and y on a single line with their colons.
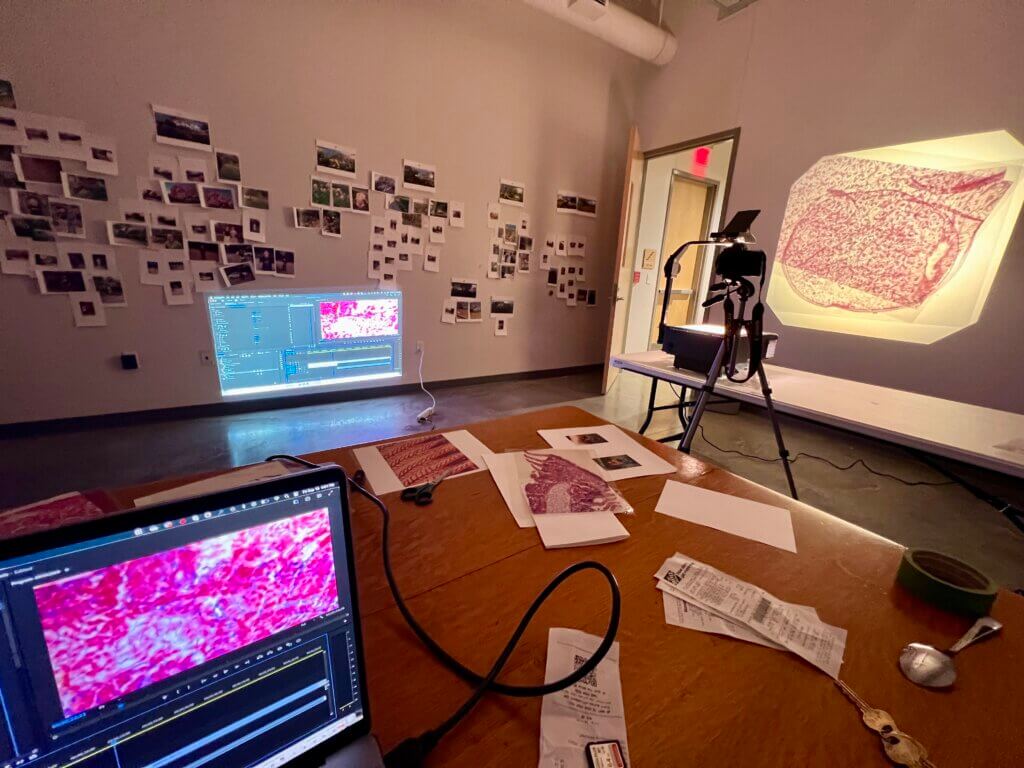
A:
x: 945, y: 517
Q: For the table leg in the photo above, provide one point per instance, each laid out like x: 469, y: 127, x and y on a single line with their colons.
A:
x: 650, y: 406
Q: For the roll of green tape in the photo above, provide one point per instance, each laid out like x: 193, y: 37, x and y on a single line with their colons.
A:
x: 946, y: 582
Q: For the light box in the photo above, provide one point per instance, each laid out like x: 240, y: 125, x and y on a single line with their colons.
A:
x: 900, y: 242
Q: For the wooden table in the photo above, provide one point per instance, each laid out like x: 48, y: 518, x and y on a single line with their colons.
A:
x: 691, y: 699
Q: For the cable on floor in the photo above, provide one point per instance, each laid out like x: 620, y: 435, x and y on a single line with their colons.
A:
x: 427, y: 414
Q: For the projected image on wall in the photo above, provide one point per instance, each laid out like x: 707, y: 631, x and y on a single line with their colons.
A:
x: 900, y: 242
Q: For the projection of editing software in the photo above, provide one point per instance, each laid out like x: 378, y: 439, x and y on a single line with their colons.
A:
x: 286, y: 342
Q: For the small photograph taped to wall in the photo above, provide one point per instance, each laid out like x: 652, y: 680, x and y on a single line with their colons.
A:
x: 167, y: 238
x: 235, y: 253
x: 501, y: 327
x: 27, y: 203
x: 90, y: 188
x: 319, y: 192
x: 512, y: 192
x: 360, y: 200
x: 192, y: 169
x: 586, y: 206
x: 110, y: 289
x: 182, y: 129
x: 508, y: 271
x: 165, y: 218
x: 448, y: 311
x: 149, y: 190
x: 397, y: 203
x: 102, y: 261
x: 463, y: 288
x: 552, y: 276
x: 181, y: 193
x: 525, y: 243
x: 307, y: 218
x: 229, y: 166
x: 381, y: 183
x: 39, y: 170
x: 413, y: 220
x: 457, y: 214
x: 432, y: 261
x: 33, y: 228
x: 439, y: 209
x: 335, y: 159
x: 566, y: 202
x: 60, y: 281
x: 88, y: 312
x: 420, y: 176
x: 524, y: 261
x: 263, y: 259
x: 176, y: 292
x: 203, y: 251
x: 284, y: 263
x: 612, y: 463
x: 227, y: 232
x: 341, y: 195
x: 238, y: 274
x: 252, y: 197
x: 254, y: 225
x: 204, y: 278
x: 510, y: 234
x: 503, y: 305
x: 437, y: 233
x: 493, y: 214
x: 126, y: 233
x: 330, y: 224
x: 7, y: 100
x: 165, y: 167
x: 221, y: 198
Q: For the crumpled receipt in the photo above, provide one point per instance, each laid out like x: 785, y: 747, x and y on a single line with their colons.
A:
x: 590, y: 710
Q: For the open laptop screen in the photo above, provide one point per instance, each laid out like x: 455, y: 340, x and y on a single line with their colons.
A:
x: 216, y: 636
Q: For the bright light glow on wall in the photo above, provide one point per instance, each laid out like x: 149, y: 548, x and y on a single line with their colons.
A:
x: 900, y: 242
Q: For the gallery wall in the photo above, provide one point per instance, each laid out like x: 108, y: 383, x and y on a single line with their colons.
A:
x: 480, y: 90
x: 807, y: 79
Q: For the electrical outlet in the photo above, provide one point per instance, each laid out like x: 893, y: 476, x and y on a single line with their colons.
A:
x: 205, y: 358
x: 419, y: 347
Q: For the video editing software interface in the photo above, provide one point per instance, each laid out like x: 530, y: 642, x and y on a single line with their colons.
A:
x: 222, y: 639
x: 276, y: 342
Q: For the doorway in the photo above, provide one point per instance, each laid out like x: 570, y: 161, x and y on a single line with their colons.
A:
x: 683, y: 197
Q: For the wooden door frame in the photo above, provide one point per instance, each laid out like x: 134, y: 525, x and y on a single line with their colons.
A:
x: 710, y: 185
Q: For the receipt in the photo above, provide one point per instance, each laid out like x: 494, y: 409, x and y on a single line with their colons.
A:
x: 680, y: 613
x: 793, y: 627
x: 590, y: 710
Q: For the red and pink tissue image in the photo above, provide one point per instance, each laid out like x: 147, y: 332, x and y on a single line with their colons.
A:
x: 117, y: 629
x: 871, y: 236
x: 358, y: 318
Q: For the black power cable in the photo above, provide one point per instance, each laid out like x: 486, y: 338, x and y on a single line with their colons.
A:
x: 413, y: 751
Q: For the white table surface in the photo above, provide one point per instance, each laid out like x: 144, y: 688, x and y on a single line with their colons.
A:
x: 968, y: 433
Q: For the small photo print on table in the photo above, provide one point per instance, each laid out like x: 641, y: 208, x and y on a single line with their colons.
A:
x: 616, y: 462
x: 586, y: 438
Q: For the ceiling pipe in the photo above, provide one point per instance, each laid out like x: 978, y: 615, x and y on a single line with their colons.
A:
x: 617, y: 27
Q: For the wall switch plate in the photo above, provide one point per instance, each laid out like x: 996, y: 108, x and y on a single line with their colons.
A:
x: 130, y: 361
x: 205, y: 357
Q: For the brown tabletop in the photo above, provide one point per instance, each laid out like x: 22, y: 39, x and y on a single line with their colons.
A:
x: 691, y: 699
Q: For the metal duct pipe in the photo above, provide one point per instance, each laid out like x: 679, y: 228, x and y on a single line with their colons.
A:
x: 617, y: 27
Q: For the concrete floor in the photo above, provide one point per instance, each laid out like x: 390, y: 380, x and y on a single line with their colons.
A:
x: 944, y: 517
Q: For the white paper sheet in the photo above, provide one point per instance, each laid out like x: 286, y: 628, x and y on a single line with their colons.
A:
x: 234, y: 479
x: 731, y: 514
x: 384, y: 480
x: 617, y: 456
x: 791, y: 626
x: 591, y: 710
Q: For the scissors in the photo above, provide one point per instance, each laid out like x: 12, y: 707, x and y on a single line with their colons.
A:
x: 423, y: 494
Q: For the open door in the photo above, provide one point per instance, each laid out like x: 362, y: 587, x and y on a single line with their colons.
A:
x: 625, y: 257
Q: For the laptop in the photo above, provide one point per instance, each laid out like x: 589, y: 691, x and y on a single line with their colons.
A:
x: 220, y: 631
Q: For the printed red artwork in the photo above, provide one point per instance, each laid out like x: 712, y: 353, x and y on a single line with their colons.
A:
x: 422, y: 459
x: 557, y: 485
x: 117, y: 629
x: 358, y: 318
x: 871, y: 236
x: 51, y: 513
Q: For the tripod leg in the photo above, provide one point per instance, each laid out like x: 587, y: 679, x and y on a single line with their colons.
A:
x: 783, y: 453
x: 650, y: 406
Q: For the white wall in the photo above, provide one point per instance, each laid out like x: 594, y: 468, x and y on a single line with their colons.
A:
x: 805, y: 79
x: 651, y: 232
x: 480, y: 89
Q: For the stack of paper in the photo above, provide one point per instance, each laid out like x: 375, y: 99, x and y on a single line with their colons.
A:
x: 615, y: 455
x: 557, y: 493
x: 708, y: 600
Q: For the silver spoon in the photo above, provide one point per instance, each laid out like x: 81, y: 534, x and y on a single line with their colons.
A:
x: 930, y: 667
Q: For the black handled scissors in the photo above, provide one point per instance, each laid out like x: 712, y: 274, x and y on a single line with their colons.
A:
x: 423, y: 494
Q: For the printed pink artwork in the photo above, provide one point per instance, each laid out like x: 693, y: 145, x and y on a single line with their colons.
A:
x: 871, y: 236
x: 358, y: 318
x: 51, y: 513
x: 117, y: 629
x: 557, y: 485
x: 422, y: 459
